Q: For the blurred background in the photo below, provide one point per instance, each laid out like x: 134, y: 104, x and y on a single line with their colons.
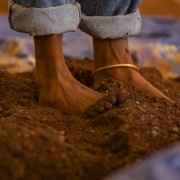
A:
x: 158, y: 44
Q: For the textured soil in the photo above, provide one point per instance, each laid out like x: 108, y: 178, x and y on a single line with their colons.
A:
x: 45, y: 143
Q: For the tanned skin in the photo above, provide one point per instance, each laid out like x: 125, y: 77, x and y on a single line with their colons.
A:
x: 59, y: 89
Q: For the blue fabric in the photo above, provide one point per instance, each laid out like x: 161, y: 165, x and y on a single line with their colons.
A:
x: 89, y: 7
x: 164, y: 165
x: 108, y: 7
x: 43, y: 3
x: 159, y: 40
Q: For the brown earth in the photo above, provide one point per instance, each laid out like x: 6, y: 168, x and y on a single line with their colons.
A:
x: 44, y: 143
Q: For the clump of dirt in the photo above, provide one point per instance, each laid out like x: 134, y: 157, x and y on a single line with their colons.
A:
x: 40, y: 142
x: 117, y: 95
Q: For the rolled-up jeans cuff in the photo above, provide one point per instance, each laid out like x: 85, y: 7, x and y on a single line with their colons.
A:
x: 44, y: 21
x: 111, y: 27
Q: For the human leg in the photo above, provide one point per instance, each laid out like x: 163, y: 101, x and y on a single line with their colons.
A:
x: 111, y: 23
x: 111, y: 52
x: 47, y: 22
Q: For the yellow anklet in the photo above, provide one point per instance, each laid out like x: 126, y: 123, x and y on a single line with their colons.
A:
x: 116, y: 66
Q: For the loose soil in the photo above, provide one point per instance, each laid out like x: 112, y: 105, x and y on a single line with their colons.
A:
x: 40, y: 142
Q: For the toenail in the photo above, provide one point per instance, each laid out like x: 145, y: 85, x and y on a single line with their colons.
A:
x: 122, y: 95
x: 113, y: 99
x: 99, y: 109
x: 108, y: 106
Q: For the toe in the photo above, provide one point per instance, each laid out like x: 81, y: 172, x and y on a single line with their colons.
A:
x: 107, y: 103
x: 122, y: 96
x: 112, y: 99
x: 108, y: 106
x: 99, y: 108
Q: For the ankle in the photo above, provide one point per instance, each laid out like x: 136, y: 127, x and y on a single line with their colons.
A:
x: 50, y: 65
x: 110, y: 52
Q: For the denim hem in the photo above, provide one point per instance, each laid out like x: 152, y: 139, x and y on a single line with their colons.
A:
x: 44, y: 21
x: 111, y: 27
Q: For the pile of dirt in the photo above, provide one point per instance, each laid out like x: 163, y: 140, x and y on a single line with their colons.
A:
x: 40, y: 142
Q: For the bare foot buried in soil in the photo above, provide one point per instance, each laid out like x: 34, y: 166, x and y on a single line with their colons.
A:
x: 86, y: 100
x: 57, y: 87
x: 111, y: 52
x: 107, y: 103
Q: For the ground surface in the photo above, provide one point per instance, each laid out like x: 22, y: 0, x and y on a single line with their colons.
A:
x: 44, y: 143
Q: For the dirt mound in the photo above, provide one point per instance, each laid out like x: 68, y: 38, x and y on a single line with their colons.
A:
x: 45, y: 143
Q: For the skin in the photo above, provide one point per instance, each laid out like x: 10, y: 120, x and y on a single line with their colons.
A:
x: 59, y: 89
x: 111, y: 52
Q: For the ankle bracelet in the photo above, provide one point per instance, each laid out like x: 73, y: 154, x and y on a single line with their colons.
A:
x: 115, y: 66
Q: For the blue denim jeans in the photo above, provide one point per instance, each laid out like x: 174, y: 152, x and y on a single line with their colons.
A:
x: 99, y: 18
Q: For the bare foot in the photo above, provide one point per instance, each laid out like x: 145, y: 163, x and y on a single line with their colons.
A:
x: 111, y: 52
x: 107, y: 103
x: 57, y: 87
